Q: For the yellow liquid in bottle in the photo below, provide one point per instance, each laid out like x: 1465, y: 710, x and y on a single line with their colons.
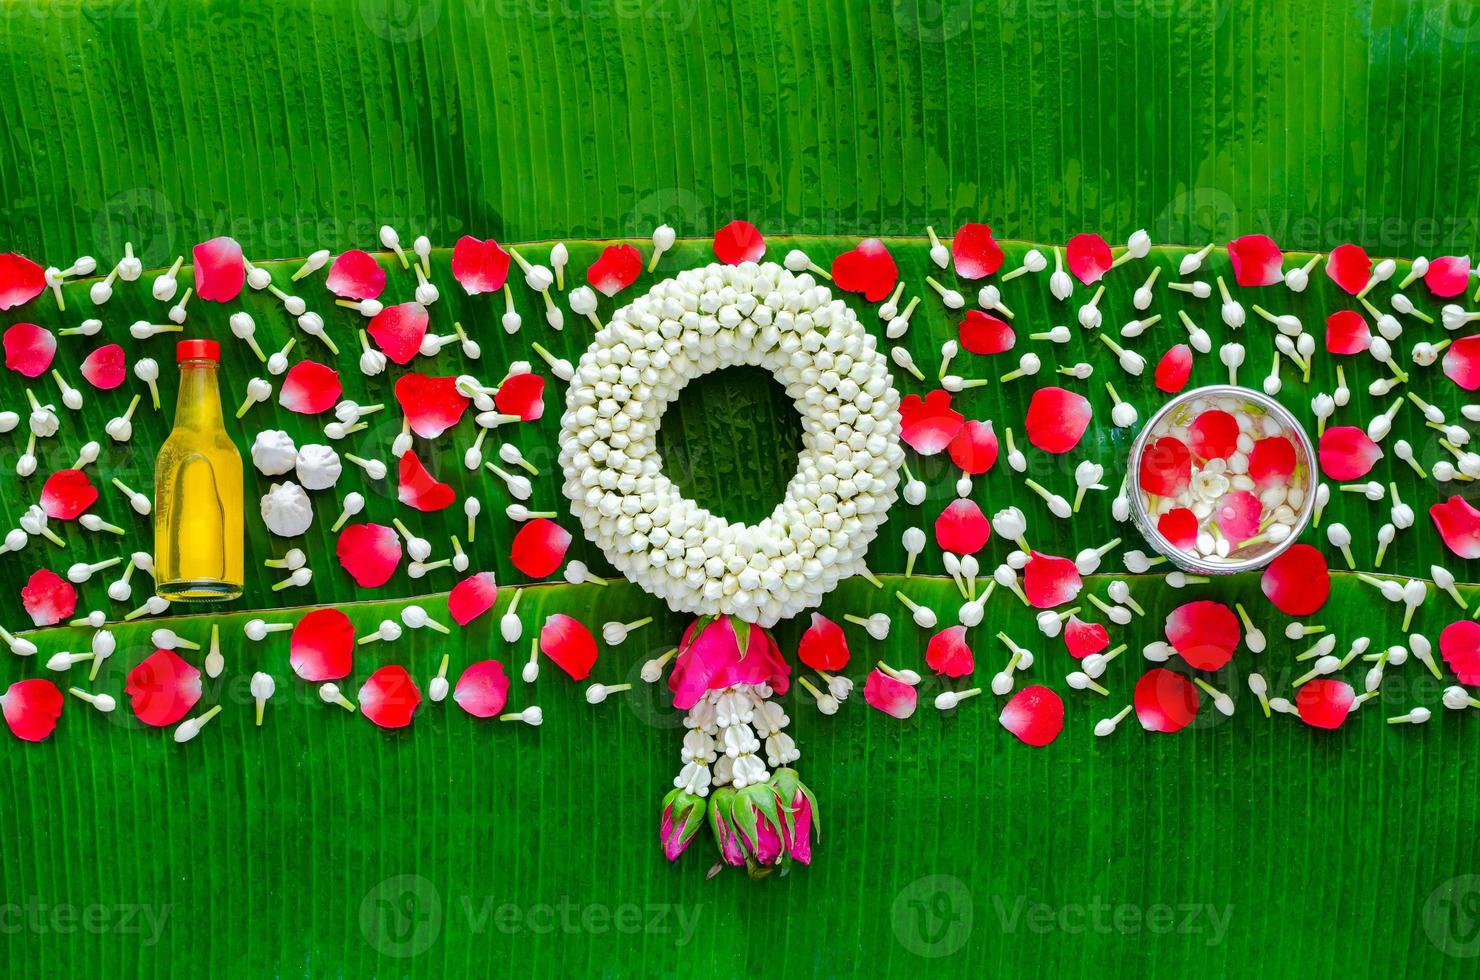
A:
x: 198, y: 497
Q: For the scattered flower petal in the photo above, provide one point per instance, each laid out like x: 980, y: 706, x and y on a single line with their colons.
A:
x: 539, y: 547
x: 737, y: 242
x: 310, y: 388
x: 1083, y: 639
x: 32, y: 708
x: 1035, y: 715
x: 891, y: 696
x: 948, y: 654
x: 616, y: 268
x: 570, y: 644
x: 522, y: 395
x: 48, y: 598
x: 431, y: 405
x: 1347, y: 333
x: 67, y: 494
x: 1324, y: 702
x: 389, y: 697
x: 29, y: 349
x: 220, y: 270
x: 975, y: 252
x: 1448, y: 275
x: 1088, y: 257
x: 1179, y: 526
x: 479, y: 265
x: 369, y: 553
x: 974, y: 450
x: 21, y: 280
x: 1057, y: 419
x: 1050, y: 581
x: 868, y: 269
x: 824, y: 646
x: 1349, y: 267
x: 398, y: 330
x: 105, y: 368
x: 1272, y: 462
x: 1204, y: 632
x: 1347, y: 453
x: 1298, y: 581
x: 1257, y: 260
x: 472, y: 597
x: 1459, y: 645
x: 1462, y: 362
x: 356, y: 275
x: 1174, y: 368
x: 1213, y: 435
x: 483, y: 689
x: 322, y: 647
x: 928, y: 425
x: 962, y: 528
x: 1165, y: 701
x: 162, y: 688
x: 982, y: 333
x: 1458, y: 523
x: 1166, y: 467
x: 419, y: 489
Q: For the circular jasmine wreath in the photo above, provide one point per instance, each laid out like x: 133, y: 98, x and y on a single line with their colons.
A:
x: 848, y: 469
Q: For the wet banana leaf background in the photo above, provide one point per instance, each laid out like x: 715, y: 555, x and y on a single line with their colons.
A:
x: 319, y: 844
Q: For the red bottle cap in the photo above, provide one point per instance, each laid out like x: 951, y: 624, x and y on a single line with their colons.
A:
x: 197, y: 350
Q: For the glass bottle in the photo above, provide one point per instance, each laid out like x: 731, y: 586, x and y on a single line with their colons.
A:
x: 198, y: 490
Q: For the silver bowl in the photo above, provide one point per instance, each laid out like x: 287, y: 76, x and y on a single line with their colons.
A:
x: 1261, y: 554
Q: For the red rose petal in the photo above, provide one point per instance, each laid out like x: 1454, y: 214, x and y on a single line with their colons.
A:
x: 310, y: 388
x: 522, y: 395
x: 737, y: 242
x: 1257, y: 260
x: 1347, y: 333
x: 48, y: 598
x: 1346, y: 453
x: 419, y: 489
x: 21, y: 280
x: 1204, y: 632
x: 1166, y: 467
x: 975, y: 252
x: 472, y: 597
x: 32, y: 708
x: 1088, y: 257
x: 889, y: 695
x: 1448, y: 275
x: 220, y: 270
x: 322, y: 647
x: 1459, y: 645
x: 615, y: 269
x: 539, y: 547
x: 356, y: 275
x: 1462, y: 362
x: 1050, y: 581
x: 1035, y: 715
x: 1298, y: 581
x: 105, y: 368
x: 1458, y: 524
x: 399, y: 330
x: 982, y: 333
x: 1272, y: 462
x: 1083, y: 639
x: 823, y: 646
x: 1179, y: 526
x: 1324, y: 702
x: 29, y: 349
x: 868, y: 269
x: 431, y: 405
x: 962, y: 528
x: 483, y: 689
x: 1213, y: 435
x: 1174, y: 368
x: 948, y: 654
x: 974, y: 449
x: 1237, y: 515
x: 369, y: 553
x: 1057, y: 419
x: 479, y: 265
x: 162, y: 688
x: 1165, y: 701
x: 389, y: 697
x: 566, y: 641
x: 1349, y: 267
x: 928, y: 425
x: 67, y: 494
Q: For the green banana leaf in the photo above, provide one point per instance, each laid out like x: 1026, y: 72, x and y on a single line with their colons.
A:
x: 320, y: 844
